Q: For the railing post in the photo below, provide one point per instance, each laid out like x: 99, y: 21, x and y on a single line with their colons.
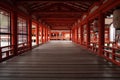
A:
x: 7, y: 53
x: 30, y: 33
x: 14, y: 31
x: 113, y: 54
x: 101, y: 26
x: 0, y: 54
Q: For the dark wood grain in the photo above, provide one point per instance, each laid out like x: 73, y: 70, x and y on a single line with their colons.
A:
x: 58, y: 60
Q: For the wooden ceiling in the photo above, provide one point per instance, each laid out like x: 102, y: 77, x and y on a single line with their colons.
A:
x: 58, y: 14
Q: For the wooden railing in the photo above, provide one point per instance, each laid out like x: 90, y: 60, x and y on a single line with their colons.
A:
x: 22, y: 48
x: 112, y: 54
x: 6, y: 52
x: 93, y: 47
x: 9, y: 51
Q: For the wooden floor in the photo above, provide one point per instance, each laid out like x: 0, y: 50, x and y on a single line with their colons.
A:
x: 58, y: 60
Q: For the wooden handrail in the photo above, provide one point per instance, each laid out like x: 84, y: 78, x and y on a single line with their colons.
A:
x: 7, y: 46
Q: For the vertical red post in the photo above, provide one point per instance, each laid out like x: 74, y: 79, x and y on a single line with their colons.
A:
x: 101, y: 28
x: 30, y: 33
x: 49, y: 34
x: 45, y: 34
x: 73, y: 36
x: 88, y: 34
x: 70, y: 34
x: 0, y: 54
x: 37, y: 34
x: 14, y: 32
x: 77, y: 34
x: 81, y: 35
x: 42, y: 33
x: 56, y: 35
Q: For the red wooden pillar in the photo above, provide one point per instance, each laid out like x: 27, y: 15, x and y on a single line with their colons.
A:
x: 88, y: 34
x: 0, y: 54
x: 74, y: 34
x: 101, y: 28
x: 42, y: 33
x: 77, y: 34
x: 14, y: 32
x: 49, y: 34
x: 37, y: 34
x: 30, y: 33
x: 56, y: 35
x: 45, y: 34
x: 81, y: 34
x: 70, y: 34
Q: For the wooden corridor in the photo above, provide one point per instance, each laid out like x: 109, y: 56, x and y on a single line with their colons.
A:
x: 58, y: 60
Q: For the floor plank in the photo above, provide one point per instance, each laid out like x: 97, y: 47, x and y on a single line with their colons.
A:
x: 58, y: 60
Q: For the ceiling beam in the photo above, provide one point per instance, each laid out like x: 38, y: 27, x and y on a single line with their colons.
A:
x: 54, y: 0
x: 40, y: 12
x: 59, y: 18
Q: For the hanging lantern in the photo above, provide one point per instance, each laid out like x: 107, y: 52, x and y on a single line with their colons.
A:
x: 85, y: 31
x: 116, y: 19
x: 95, y: 26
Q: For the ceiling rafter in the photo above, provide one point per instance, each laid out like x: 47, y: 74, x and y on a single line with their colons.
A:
x: 38, y: 4
x: 81, y: 4
x: 58, y: 14
x: 75, y: 6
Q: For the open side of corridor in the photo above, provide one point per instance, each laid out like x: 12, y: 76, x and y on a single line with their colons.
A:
x: 58, y: 60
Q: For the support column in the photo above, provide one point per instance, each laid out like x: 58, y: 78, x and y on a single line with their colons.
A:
x: 14, y: 32
x: 42, y: 33
x: 37, y: 34
x: 70, y: 34
x: 101, y: 27
x: 45, y: 35
x: 74, y: 34
x: 49, y: 34
x: 77, y: 34
x: 30, y: 33
x: 81, y: 34
x: 56, y: 35
x: 88, y: 35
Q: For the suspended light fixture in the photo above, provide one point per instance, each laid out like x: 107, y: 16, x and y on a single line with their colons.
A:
x: 85, y: 31
x: 95, y: 26
x: 116, y: 19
